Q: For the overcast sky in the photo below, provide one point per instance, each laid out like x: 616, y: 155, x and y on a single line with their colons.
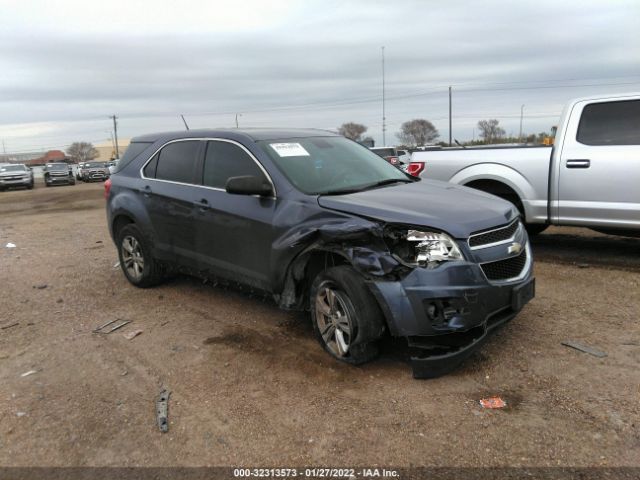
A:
x: 65, y: 66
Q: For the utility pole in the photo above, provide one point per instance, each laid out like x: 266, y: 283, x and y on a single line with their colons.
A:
x: 384, y: 127
x: 115, y: 134
x: 237, y: 115
x: 450, y: 115
x: 521, y: 114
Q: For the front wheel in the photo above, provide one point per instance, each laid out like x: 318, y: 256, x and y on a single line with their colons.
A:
x: 347, y: 320
x: 136, y: 261
x: 535, y: 228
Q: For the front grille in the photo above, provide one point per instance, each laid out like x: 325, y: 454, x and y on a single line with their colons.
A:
x: 505, y: 269
x: 494, y: 236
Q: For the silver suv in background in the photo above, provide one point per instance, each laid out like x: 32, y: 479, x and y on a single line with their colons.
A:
x: 15, y: 175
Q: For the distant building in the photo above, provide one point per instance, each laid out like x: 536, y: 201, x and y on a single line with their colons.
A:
x: 107, y: 150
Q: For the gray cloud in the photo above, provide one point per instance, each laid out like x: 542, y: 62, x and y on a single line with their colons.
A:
x: 326, y: 59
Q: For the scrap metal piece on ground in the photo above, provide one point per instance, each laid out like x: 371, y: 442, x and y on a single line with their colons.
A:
x: 493, y: 402
x: 101, y: 329
x: 11, y: 245
x: 584, y: 348
x: 4, y: 327
x: 162, y: 410
x: 98, y: 329
x: 30, y: 372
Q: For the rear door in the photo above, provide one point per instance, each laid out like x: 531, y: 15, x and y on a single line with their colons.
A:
x: 235, y: 233
x: 169, y: 193
x: 600, y: 165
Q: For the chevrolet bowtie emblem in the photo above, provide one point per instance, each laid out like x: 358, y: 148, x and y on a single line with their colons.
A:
x: 514, y: 248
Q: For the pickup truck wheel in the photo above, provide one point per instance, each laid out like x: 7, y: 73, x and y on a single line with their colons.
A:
x: 346, y: 318
x: 136, y: 261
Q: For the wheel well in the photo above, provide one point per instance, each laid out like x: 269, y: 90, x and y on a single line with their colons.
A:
x: 119, y: 222
x: 498, y: 189
x: 319, y: 261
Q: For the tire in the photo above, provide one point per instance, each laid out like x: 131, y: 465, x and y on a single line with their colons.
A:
x: 354, y: 320
x: 30, y: 186
x: 133, y: 246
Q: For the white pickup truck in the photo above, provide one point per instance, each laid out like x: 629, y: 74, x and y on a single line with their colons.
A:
x: 590, y: 177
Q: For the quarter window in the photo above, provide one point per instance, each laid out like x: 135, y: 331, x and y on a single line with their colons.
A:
x: 610, y: 123
x: 176, y: 162
x: 224, y: 160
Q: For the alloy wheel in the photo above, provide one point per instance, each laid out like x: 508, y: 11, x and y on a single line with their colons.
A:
x: 334, y: 321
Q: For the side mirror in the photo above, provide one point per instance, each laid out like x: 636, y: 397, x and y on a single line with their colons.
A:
x: 249, y: 185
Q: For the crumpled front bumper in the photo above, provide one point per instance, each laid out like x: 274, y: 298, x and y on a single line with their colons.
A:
x: 447, y: 313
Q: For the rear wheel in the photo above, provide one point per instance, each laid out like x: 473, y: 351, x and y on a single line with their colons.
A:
x: 346, y: 318
x: 136, y: 261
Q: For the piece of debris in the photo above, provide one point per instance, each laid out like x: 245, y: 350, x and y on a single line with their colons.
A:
x: 132, y: 335
x: 162, y: 410
x: 99, y: 241
x: 124, y: 373
x: 103, y: 328
x: 116, y: 265
x: 4, y: 327
x: 164, y: 323
x: 42, y: 286
x: 30, y: 372
x: 584, y: 348
x: 493, y: 402
x: 59, y: 300
x: 10, y: 245
x: 21, y: 414
x: 583, y: 265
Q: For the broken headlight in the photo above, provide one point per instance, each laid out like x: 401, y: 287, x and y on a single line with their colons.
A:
x: 424, y: 249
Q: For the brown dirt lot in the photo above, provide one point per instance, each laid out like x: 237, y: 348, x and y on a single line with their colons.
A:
x: 250, y: 385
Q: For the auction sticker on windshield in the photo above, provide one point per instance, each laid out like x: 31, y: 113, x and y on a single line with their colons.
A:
x: 289, y: 149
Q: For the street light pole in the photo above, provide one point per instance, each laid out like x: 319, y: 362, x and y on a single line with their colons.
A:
x: 521, y: 115
x: 450, y: 115
x: 384, y: 127
x: 237, y: 115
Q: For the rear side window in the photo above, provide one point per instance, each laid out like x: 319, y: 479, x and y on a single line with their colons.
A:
x: 133, y: 150
x: 610, y: 123
x: 150, y: 168
x: 225, y: 160
x: 177, y: 160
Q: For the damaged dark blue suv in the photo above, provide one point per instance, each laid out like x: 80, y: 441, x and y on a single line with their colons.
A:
x: 322, y: 223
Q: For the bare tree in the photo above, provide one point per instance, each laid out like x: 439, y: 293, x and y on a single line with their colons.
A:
x: 417, y: 132
x: 490, y: 130
x: 352, y: 130
x: 81, y: 152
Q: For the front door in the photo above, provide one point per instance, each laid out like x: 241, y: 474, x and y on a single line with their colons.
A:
x: 235, y: 232
x: 599, y: 167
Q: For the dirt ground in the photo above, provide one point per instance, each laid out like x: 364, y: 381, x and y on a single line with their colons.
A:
x: 251, y: 387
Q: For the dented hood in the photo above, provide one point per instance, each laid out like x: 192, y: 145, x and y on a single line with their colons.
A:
x: 456, y: 210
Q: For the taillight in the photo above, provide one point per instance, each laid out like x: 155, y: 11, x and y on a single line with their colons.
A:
x: 415, y: 168
x: 107, y: 188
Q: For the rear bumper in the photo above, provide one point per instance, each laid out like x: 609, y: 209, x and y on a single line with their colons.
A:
x: 447, y: 313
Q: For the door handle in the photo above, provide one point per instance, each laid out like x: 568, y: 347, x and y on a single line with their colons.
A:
x: 579, y: 163
x: 146, y: 191
x: 202, y: 204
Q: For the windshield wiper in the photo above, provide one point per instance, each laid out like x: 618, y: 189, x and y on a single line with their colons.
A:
x: 388, y: 181
x: 381, y: 183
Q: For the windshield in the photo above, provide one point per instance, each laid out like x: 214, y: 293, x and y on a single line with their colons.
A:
x: 95, y: 165
x: 13, y: 168
x: 57, y: 166
x: 325, y: 165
